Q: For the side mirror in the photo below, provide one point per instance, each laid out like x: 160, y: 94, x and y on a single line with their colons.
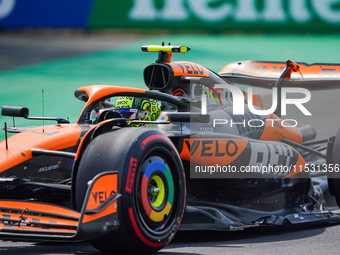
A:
x: 14, y: 111
x: 23, y: 112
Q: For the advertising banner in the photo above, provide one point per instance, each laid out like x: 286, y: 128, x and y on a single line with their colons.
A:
x: 219, y: 15
x: 212, y: 15
x: 45, y: 13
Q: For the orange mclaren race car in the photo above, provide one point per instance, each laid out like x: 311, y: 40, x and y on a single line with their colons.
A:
x: 191, y: 152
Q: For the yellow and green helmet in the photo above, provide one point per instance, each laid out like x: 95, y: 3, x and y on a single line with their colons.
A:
x: 136, y: 108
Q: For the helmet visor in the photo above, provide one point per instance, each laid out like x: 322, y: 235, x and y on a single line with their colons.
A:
x: 133, y: 114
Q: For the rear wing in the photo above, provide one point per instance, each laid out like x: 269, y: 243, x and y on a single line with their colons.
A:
x: 265, y: 74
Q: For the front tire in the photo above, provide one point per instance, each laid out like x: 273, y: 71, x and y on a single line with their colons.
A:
x: 152, y: 183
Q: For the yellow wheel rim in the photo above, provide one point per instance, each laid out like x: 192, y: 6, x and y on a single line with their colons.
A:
x: 160, y: 185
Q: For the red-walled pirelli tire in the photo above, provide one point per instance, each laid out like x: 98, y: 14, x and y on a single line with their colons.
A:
x: 152, y: 183
x: 334, y: 169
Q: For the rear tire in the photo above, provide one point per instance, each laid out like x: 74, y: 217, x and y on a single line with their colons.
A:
x: 334, y: 177
x: 152, y: 183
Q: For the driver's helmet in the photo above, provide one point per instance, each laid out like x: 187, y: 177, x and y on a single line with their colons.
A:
x: 136, y: 108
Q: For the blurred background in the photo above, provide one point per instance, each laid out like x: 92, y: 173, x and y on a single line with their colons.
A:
x: 48, y: 48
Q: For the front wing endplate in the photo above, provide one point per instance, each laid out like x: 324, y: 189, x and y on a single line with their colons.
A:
x: 36, y: 221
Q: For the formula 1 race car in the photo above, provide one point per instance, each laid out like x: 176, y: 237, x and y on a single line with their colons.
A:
x: 191, y: 152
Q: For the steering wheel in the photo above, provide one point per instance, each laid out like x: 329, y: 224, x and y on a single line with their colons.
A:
x: 107, y: 114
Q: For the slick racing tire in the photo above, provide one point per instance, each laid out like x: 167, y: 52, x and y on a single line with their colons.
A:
x: 334, y: 176
x: 152, y: 184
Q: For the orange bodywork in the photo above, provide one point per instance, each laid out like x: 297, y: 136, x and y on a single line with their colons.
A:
x: 95, y: 92
x: 298, y: 168
x: 40, y: 229
x: 185, y: 68
x: 52, y: 137
x: 257, y: 100
x: 42, y: 208
x: 32, y: 216
x: 221, y: 151
x: 275, y: 131
x: 275, y: 69
x: 42, y: 219
x: 29, y: 218
x: 102, y: 189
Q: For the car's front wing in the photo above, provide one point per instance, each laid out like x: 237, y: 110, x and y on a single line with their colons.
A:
x: 36, y: 221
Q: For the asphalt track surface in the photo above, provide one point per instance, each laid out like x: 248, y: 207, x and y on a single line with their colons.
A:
x: 60, y: 62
